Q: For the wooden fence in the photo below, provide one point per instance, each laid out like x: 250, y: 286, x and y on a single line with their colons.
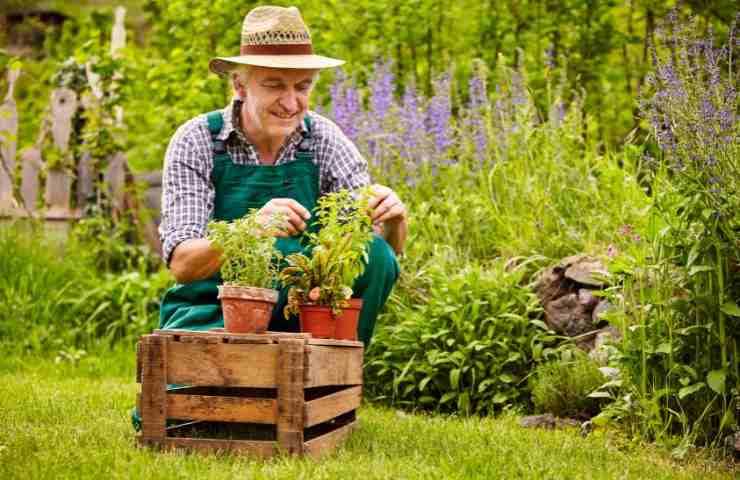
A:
x: 57, y: 194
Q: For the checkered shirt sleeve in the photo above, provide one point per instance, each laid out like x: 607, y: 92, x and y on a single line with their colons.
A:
x: 187, y: 189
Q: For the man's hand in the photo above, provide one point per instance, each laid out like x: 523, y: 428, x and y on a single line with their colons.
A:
x: 294, y: 213
x: 388, y: 211
x: 385, y: 206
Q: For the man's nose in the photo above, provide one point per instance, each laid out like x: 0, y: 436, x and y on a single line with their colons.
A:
x: 289, y: 100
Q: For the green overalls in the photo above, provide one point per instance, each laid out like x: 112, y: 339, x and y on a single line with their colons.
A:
x: 239, y: 188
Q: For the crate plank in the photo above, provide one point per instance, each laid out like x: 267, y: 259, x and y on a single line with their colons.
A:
x: 222, y: 409
x: 330, y: 342
x: 138, y: 362
x: 222, y: 364
x: 331, y: 406
x: 291, y: 395
x: 154, y: 388
x: 328, y: 442
x: 333, y: 366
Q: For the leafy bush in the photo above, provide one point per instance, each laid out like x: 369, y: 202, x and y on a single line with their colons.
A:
x: 562, y: 386
x: 467, y: 346
x: 52, y: 297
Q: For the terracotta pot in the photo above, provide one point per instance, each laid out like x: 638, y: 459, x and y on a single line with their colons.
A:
x: 247, y: 309
x: 320, y: 322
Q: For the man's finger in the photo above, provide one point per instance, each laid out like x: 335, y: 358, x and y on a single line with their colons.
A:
x: 398, y: 210
x: 386, y: 205
x: 295, y: 206
x: 294, y: 220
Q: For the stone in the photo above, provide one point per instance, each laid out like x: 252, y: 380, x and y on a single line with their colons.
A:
x: 568, y: 316
x: 547, y: 420
x: 586, y: 271
x: 601, y: 307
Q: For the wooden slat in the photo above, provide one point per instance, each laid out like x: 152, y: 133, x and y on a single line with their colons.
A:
x: 331, y: 406
x: 8, y: 141
x: 222, y: 409
x: 328, y: 442
x: 291, y: 395
x: 85, y: 179
x: 115, y: 178
x: 63, y: 108
x: 154, y: 388
x: 333, y: 366
x: 138, y: 362
x: 330, y: 342
x: 30, y: 168
x: 222, y: 364
x: 58, y: 189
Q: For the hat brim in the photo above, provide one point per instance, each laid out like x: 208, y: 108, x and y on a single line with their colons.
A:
x: 224, y: 65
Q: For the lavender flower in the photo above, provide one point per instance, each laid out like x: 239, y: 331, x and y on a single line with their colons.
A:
x: 346, y: 106
x: 477, y: 108
x: 439, y: 115
x: 412, y: 123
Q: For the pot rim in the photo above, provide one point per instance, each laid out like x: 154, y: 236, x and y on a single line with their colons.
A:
x: 354, y: 303
x: 248, y: 293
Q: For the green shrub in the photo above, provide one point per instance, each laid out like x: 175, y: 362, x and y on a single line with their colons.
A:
x: 562, y: 386
x: 53, y: 297
x: 466, y: 346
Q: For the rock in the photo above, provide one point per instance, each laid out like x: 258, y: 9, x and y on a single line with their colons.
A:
x: 601, y: 307
x: 587, y: 298
x: 551, y: 285
x: 568, y: 316
x: 547, y: 420
x: 586, y: 271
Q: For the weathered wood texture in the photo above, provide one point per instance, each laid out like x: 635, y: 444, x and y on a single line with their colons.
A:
x: 248, y: 380
x: 327, y: 443
x: 331, y: 406
x: 222, y: 409
x: 222, y: 364
x: 154, y: 388
x: 8, y: 142
x: 291, y: 395
x: 333, y: 366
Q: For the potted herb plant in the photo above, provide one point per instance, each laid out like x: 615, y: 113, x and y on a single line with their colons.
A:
x: 321, y: 284
x: 249, y: 269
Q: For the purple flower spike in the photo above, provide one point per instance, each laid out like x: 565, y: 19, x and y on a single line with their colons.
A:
x: 478, y: 106
x: 439, y: 115
x: 412, y: 123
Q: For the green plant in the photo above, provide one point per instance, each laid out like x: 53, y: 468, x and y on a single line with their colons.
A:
x: 562, y: 386
x: 338, y: 253
x: 466, y: 344
x: 249, y: 257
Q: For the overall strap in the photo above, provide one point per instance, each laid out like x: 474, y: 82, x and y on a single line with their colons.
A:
x: 215, y: 124
x: 303, y: 152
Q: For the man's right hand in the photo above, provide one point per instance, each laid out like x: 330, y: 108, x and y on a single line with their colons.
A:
x: 294, y: 213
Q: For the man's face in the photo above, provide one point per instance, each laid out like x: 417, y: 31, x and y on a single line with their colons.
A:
x: 276, y: 99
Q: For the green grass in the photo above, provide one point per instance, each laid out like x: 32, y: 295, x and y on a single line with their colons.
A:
x: 71, y: 421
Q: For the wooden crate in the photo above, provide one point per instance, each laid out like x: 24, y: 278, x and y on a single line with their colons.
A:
x: 260, y: 393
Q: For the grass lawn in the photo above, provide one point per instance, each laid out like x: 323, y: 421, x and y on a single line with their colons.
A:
x: 71, y: 421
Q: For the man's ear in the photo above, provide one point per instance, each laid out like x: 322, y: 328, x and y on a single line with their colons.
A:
x: 240, y: 88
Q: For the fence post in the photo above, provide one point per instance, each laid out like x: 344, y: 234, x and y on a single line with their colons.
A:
x: 8, y: 142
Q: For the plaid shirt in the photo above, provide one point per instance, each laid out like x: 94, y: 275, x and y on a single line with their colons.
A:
x: 188, y: 192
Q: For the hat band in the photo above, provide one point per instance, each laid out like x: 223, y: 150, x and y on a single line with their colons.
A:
x: 277, y: 49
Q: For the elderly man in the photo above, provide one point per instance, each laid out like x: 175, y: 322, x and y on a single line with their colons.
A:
x: 265, y: 150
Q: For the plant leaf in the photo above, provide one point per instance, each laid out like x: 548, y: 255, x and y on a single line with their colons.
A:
x: 716, y: 380
x: 691, y: 389
x: 731, y: 308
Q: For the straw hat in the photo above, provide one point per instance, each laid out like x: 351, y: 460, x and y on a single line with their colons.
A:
x: 274, y: 37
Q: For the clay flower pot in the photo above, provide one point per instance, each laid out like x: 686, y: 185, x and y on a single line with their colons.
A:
x: 247, y: 309
x: 320, y: 322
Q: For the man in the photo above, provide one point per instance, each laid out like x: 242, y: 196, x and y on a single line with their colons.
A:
x: 265, y: 150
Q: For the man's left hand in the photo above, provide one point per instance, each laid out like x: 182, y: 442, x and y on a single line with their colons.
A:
x: 385, y: 206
